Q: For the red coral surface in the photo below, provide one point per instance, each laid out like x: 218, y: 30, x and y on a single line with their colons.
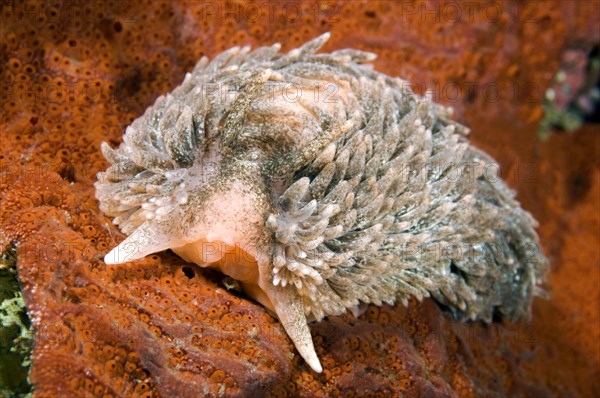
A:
x: 75, y: 74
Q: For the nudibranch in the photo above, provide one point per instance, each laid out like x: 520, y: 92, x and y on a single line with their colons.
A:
x: 333, y: 184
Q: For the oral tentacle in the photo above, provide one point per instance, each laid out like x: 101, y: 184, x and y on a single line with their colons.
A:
x: 290, y: 311
x: 149, y: 238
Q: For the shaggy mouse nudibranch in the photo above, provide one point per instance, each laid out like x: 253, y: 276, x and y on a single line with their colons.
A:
x: 334, y: 184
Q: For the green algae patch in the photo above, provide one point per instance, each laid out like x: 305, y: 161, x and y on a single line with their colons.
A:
x: 16, y: 334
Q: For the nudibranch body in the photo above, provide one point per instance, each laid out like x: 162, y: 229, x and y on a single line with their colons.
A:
x: 334, y: 186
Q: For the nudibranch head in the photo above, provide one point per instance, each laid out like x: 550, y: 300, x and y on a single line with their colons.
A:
x: 334, y: 184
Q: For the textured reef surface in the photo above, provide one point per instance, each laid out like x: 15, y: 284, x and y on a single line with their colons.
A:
x: 74, y: 75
